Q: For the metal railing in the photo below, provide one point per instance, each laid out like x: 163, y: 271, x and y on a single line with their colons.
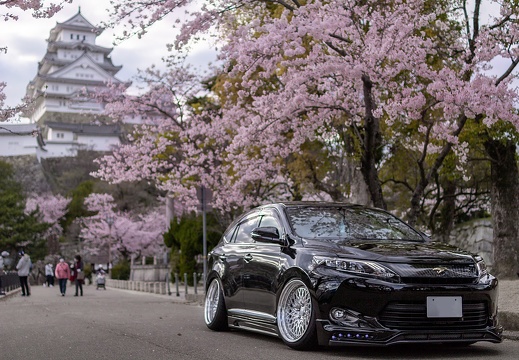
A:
x: 9, y: 281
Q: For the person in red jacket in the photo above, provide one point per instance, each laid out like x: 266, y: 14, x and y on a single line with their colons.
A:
x: 79, y: 274
x: 62, y: 273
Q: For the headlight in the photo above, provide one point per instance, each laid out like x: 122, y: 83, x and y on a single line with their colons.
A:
x: 357, y: 267
x: 482, y: 267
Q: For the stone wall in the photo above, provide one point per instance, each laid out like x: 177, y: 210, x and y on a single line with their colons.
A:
x: 159, y: 271
x: 29, y: 172
x: 162, y: 288
x: 475, y: 236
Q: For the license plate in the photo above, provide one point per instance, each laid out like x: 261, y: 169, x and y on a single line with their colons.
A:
x: 444, y: 307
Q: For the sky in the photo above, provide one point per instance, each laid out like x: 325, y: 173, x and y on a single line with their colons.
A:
x: 26, y: 43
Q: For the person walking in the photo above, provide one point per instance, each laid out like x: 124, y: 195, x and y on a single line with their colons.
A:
x: 49, y: 274
x: 80, y: 274
x: 62, y: 273
x: 72, y: 277
x: 24, y: 268
x: 4, y: 254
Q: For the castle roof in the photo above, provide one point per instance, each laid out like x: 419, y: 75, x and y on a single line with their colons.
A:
x: 86, y: 129
x: 18, y: 129
x: 76, y: 23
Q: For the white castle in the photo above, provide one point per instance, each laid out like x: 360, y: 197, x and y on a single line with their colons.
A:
x: 72, y: 64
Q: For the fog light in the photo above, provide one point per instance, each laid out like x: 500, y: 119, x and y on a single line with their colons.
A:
x: 345, y: 317
x: 337, y: 313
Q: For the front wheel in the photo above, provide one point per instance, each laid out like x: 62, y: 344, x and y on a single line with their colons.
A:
x: 296, y: 316
x: 215, y: 313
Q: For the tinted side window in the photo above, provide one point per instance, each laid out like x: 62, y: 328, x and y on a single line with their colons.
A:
x: 228, y: 236
x: 242, y: 234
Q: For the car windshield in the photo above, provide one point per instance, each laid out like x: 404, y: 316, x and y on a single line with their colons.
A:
x: 345, y: 223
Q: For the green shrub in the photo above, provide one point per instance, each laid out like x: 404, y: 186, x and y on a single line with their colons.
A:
x: 88, y: 272
x: 184, y: 237
x: 121, y: 270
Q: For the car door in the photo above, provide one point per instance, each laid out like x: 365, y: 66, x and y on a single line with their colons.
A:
x: 233, y: 254
x: 261, y: 271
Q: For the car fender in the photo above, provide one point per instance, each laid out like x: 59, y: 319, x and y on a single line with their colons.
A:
x: 298, y: 273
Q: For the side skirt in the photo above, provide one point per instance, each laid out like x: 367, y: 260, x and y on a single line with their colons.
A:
x: 252, y: 321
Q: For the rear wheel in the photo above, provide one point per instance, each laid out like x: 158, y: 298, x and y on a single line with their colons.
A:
x: 215, y: 313
x: 296, y: 316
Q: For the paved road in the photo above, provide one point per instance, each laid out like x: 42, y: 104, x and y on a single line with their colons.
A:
x: 117, y: 324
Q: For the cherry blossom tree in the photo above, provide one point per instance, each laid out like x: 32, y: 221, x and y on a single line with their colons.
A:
x: 169, y: 147
x: 40, y: 9
x: 51, y: 208
x: 380, y: 68
x: 121, y: 234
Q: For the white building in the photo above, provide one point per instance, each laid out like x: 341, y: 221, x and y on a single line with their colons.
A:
x: 61, y: 114
x: 56, y: 139
x: 72, y: 65
x: 18, y: 139
x: 62, y: 140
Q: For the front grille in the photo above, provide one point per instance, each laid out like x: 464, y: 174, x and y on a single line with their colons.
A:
x: 424, y: 273
x: 413, y: 316
x: 437, y: 281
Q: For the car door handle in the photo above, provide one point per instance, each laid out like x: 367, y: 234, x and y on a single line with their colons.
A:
x: 247, y: 257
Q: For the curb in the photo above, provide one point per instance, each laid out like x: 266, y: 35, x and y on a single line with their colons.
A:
x: 511, y: 335
x: 10, y: 293
x: 196, y: 298
x: 509, y: 320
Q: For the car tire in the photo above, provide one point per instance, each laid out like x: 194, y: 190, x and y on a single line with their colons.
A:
x: 296, y: 316
x: 215, y: 313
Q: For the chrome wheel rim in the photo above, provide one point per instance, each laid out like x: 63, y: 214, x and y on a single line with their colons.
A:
x: 212, y: 299
x: 294, y: 311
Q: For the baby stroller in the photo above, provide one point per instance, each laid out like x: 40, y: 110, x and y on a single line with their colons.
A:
x: 100, y: 279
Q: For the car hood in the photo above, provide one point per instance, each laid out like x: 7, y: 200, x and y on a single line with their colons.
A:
x: 393, y: 251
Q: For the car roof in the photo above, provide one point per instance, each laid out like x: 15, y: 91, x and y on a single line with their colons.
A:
x: 313, y: 203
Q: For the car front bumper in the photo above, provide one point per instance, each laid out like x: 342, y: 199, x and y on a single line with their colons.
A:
x: 390, y: 313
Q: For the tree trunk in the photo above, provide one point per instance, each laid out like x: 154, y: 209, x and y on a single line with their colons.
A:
x: 505, y: 207
x: 447, y: 213
x: 372, y: 141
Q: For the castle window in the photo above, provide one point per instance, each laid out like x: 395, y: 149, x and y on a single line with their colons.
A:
x: 84, y: 37
x: 72, y: 36
x: 77, y: 37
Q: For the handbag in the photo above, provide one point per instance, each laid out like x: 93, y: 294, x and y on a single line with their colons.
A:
x: 80, y: 275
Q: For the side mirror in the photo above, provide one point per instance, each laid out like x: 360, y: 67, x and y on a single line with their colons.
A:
x: 267, y: 234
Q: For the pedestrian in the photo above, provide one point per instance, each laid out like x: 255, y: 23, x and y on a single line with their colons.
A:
x: 24, y: 267
x: 49, y: 274
x: 80, y: 274
x: 4, y: 254
x: 72, y: 277
x: 62, y: 273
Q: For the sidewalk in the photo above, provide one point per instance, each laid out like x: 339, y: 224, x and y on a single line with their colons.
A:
x: 508, y: 305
